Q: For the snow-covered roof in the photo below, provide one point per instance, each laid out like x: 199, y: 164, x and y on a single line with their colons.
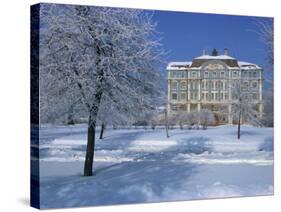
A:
x: 219, y: 57
x: 247, y: 65
x: 178, y: 65
x: 197, y: 63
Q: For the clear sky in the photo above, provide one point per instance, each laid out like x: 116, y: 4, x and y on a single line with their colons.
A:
x: 185, y: 35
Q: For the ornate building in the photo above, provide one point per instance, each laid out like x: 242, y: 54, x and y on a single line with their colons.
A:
x: 205, y: 83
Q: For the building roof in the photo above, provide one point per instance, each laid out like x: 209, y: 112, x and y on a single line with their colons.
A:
x: 210, y: 57
x: 197, y: 62
x: 179, y: 65
x: 246, y: 65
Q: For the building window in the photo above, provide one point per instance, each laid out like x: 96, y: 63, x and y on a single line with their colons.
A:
x: 226, y: 96
x: 245, y: 86
x: 220, y: 85
x: 183, y: 85
x: 255, y: 96
x: 235, y: 73
x: 195, y: 96
x: 222, y: 74
x: 171, y: 74
x: 254, y: 85
x: 194, y: 85
x: 174, y: 85
x: 214, y: 74
x: 244, y: 73
x: 193, y: 74
x: 250, y: 74
x: 191, y: 96
x: 183, y: 96
x: 174, y: 96
x: 221, y: 96
x: 254, y: 74
x: 214, y: 84
x: 206, y: 74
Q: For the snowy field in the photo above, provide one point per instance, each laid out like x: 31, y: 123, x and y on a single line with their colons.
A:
x: 138, y: 165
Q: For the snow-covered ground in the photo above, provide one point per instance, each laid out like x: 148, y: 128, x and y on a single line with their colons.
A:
x: 139, y: 165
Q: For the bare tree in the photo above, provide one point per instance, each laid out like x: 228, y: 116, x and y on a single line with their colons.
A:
x: 244, y: 106
x: 89, y: 52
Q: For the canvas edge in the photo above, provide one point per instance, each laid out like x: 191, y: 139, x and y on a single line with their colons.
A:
x: 34, y: 106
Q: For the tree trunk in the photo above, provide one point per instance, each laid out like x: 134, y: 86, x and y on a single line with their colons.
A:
x: 181, y: 126
x: 239, y: 126
x: 88, y: 166
x: 102, y: 130
x: 166, y: 123
x: 239, y: 123
x: 93, y: 113
x: 70, y: 120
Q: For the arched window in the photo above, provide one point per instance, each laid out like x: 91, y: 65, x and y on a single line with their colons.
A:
x: 245, y: 86
x: 194, y: 74
x: 183, y: 85
x: 254, y: 85
x: 183, y: 96
x: 214, y: 74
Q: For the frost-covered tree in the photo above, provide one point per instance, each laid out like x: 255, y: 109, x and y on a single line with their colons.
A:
x: 111, y: 114
x: 214, y: 52
x: 206, y: 118
x: 90, y: 52
x: 171, y: 120
x: 192, y: 118
x: 266, y: 34
x: 244, y: 106
x: 181, y: 118
x: 267, y: 119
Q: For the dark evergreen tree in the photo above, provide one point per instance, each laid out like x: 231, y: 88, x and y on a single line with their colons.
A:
x: 214, y: 52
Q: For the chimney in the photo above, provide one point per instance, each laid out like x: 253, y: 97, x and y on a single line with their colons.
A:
x: 204, y: 51
x: 225, y: 51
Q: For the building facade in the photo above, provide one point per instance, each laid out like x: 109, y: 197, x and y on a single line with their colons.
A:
x: 205, y: 83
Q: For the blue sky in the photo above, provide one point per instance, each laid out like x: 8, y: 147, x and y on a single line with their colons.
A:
x: 185, y: 35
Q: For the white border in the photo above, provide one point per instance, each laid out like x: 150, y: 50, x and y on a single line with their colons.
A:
x: 14, y: 111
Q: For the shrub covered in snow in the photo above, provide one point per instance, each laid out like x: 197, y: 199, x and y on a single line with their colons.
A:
x: 206, y: 118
